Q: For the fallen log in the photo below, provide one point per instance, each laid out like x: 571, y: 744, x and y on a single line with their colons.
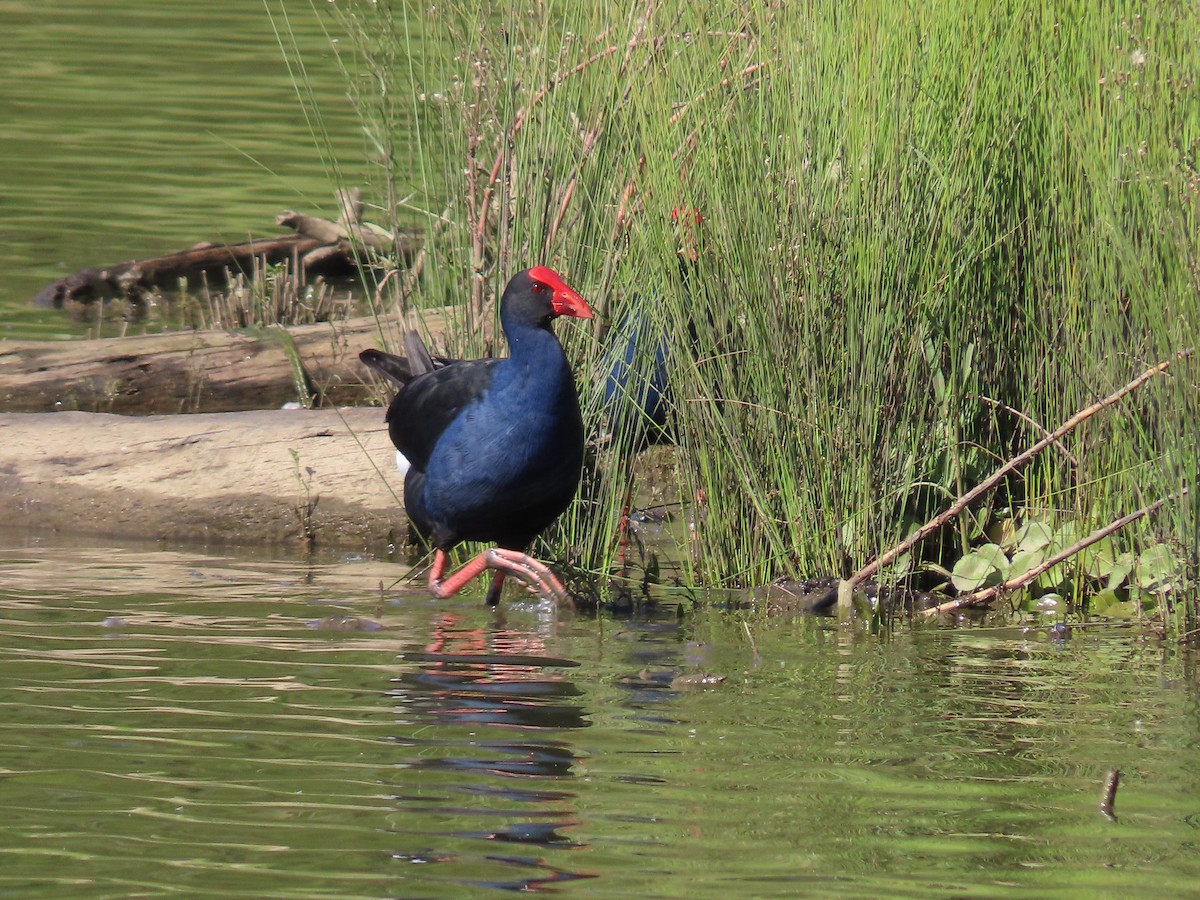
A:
x: 205, y: 262
x: 318, y: 248
x: 321, y: 477
x: 201, y: 371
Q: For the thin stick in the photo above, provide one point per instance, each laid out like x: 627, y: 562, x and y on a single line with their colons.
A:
x: 1032, y: 423
x: 589, y: 141
x: 476, y: 305
x: 682, y: 111
x: 999, y: 474
x: 978, y: 598
x: 522, y: 115
x: 612, y: 259
x: 518, y: 121
x: 1109, y: 796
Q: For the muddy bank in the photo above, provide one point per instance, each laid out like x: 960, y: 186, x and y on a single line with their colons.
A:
x: 240, y: 478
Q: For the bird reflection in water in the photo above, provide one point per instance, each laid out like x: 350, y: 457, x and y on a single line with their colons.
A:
x: 484, y: 712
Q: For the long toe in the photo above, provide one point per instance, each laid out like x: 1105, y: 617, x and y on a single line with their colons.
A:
x: 535, y: 574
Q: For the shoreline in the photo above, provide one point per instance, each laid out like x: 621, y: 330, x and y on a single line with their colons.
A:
x: 268, y: 477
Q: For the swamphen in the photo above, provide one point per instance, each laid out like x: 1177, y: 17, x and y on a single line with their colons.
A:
x: 638, y: 401
x: 637, y: 395
x: 494, y: 446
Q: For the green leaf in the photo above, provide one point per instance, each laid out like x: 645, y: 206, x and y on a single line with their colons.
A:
x: 1024, y: 560
x: 1108, y: 603
x: 1034, y: 536
x: 968, y: 361
x: 982, y: 567
x: 1122, y: 568
x: 937, y: 380
x: 1147, y: 600
x: 1003, y: 531
x: 1101, y: 561
x: 1156, y: 568
x: 1056, y: 578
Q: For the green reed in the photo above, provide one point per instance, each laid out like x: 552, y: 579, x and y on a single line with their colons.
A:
x: 929, y: 233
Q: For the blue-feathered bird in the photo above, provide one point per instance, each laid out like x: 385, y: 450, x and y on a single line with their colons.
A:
x: 494, y: 447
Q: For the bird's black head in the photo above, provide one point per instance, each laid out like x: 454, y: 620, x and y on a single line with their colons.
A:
x: 537, y: 295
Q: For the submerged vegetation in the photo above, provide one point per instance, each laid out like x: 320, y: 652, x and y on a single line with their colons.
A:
x: 918, y: 238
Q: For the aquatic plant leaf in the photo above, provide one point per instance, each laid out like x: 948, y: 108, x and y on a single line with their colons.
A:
x: 1003, y: 531
x: 1034, y: 536
x: 936, y: 380
x: 1122, y: 568
x: 982, y: 567
x: 1156, y: 568
x: 1102, y: 562
x: 1056, y: 578
x: 1109, y: 603
x: 1024, y: 560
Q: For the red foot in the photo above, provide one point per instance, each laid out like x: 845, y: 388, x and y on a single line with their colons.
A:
x: 536, y: 575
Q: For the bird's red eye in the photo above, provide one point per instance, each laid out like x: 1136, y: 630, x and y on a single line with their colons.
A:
x: 538, y: 287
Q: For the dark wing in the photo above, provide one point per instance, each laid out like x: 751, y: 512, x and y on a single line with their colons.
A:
x: 395, y: 368
x: 403, y: 369
x: 637, y: 394
x: 419, y: 360
x: 427, y: 405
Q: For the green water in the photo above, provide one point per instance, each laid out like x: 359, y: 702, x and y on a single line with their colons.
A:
x: 178, y: 723
x: 140, y: 128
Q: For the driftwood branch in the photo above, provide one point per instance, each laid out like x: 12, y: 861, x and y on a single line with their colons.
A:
x: 313, y: 226
x: 319, y: 248
x: 986, y: 595
x: 1001, y: 473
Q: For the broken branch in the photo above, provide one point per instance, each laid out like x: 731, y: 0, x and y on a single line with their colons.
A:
x: 999, y: 474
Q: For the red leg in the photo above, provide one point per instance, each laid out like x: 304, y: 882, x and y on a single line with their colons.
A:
x: 536, y: 575
x: 455, y: 581
x: 493, y: 594
x: 623, y: 531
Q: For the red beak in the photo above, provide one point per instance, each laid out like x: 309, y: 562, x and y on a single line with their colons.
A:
x: 564, y: 301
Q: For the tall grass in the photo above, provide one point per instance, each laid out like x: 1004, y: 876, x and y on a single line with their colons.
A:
x: 928, y: 231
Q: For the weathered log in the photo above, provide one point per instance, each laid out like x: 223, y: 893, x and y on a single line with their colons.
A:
x: 253, y: 478
x: 319, y: 249
x: 139, y: 277
x: 203, y: 371
x: 212, y: 263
